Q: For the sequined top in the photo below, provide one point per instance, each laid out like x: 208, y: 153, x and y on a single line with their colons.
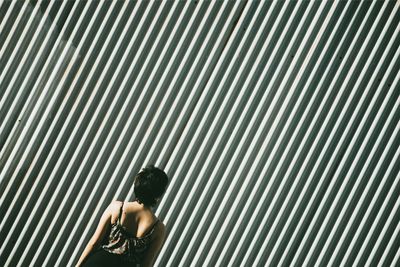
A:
x: 121, y: 242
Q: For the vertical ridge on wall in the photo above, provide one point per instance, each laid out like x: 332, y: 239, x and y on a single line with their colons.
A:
x: 277, y: 121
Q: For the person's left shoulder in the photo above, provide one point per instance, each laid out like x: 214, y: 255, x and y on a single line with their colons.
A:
x: 160, y: 230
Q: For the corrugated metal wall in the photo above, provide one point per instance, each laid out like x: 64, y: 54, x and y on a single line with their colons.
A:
x: 278, y: 122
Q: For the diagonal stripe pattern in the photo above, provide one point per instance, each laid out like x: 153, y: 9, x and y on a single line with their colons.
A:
x: 277, y: 121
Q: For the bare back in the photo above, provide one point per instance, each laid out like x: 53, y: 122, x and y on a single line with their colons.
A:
x: 135, y: 218
x: 138, y: 221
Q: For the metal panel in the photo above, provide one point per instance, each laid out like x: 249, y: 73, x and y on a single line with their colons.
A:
x: 277, y: 121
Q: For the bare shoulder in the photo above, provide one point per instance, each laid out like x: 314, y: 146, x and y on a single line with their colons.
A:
x: 116, y: 203
x: 155, y: 245
x: 114, y: 206
x: 113, y: 209
x: 160, y: 230
x: 161, y: 225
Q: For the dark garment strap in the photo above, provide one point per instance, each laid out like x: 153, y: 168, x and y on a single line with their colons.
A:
x: 120, y: 213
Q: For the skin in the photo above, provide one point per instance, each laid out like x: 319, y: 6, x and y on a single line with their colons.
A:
x: 137, y: 220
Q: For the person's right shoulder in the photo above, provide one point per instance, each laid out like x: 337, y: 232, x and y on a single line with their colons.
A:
x: 115, y: 205
x: 114, y: 209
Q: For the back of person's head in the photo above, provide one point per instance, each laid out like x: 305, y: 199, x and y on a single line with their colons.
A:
x: 150, y: 184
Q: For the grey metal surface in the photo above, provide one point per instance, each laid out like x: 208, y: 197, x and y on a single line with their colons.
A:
x: 277, y: 121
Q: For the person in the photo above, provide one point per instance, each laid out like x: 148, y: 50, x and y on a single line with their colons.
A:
x: 129, y: 233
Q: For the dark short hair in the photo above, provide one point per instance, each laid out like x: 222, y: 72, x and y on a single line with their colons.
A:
x: 150, y: 184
